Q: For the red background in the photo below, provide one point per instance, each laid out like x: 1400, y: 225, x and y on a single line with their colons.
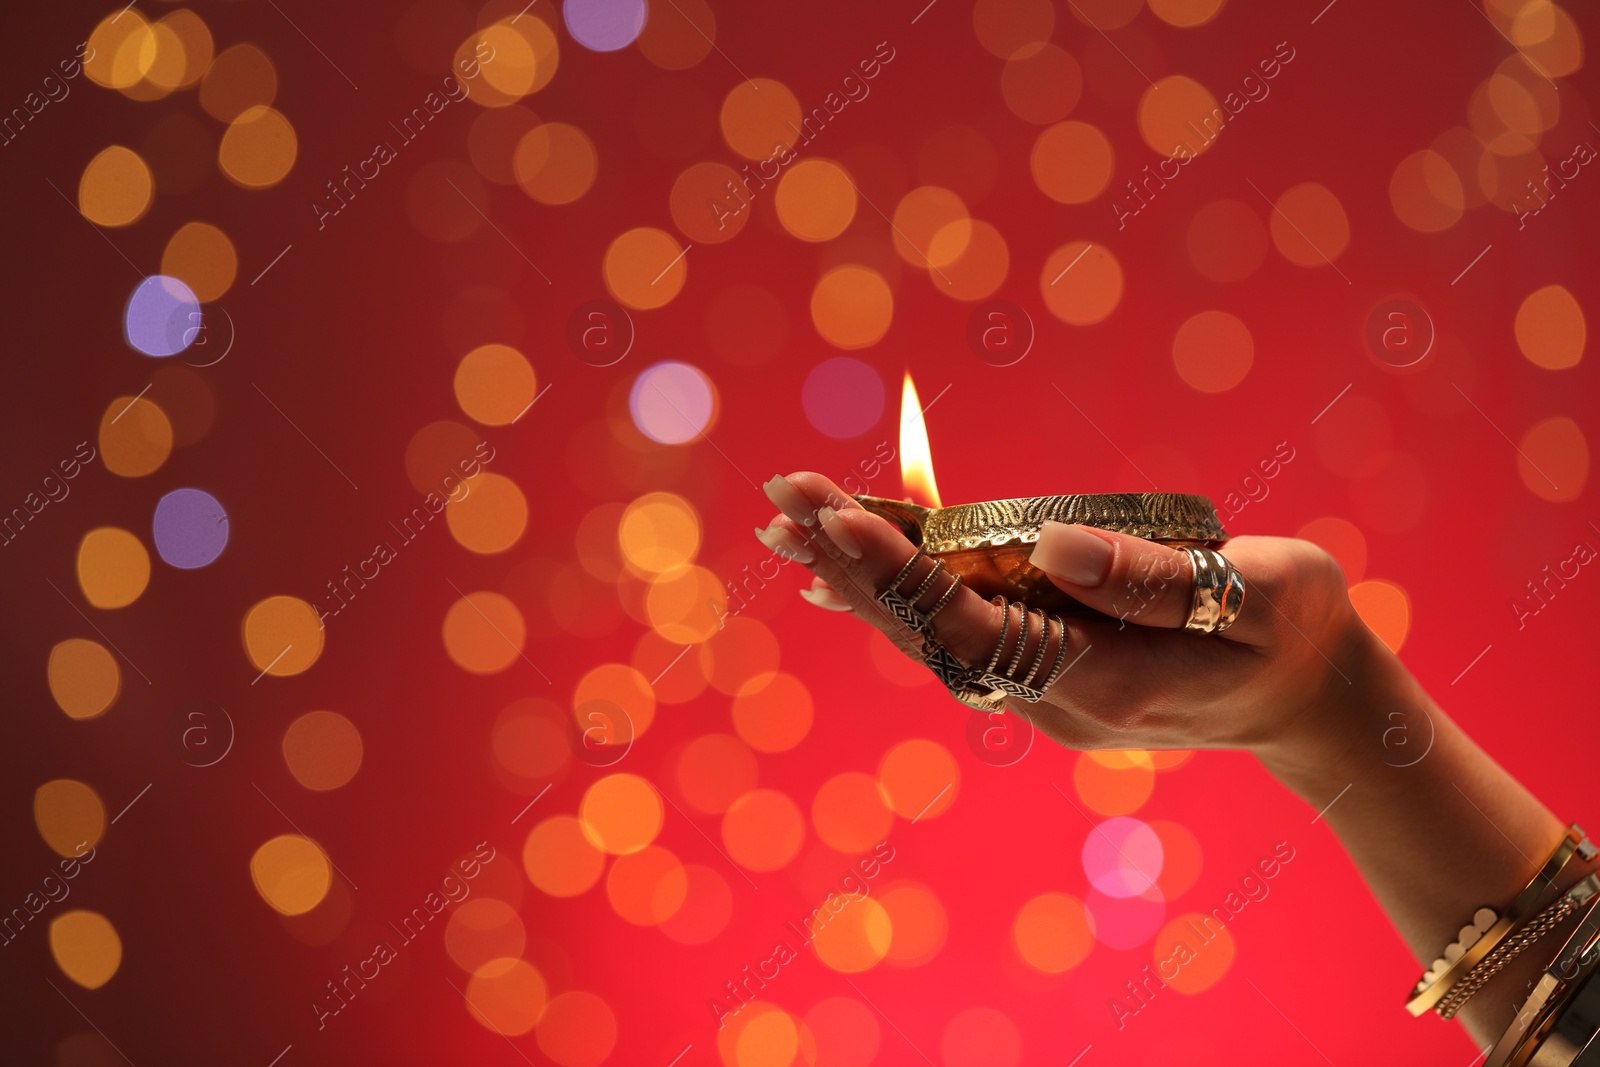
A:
x: 356, y: 333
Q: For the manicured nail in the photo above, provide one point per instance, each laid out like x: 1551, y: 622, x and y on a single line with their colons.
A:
x: 1072, y: 554
x: 783, y: 543
x: 822, y: 595
x: 789, y: 500
x: 839, y: 533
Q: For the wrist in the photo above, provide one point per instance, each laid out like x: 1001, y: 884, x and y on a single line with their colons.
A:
x: 1364, y: 706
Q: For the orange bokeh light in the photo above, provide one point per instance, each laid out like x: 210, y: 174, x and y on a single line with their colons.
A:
x: 116, y: 188
x: 1197, y: 951
x: 1553, y: 459
x: 741, y: 650
x: 709, y: 204
x: 1179, y: 118
x: 559, y: 859
x: 1309, y: 226
x: 647, y: 887
x: 1042, y: 85
x: 621, y: 687
x: 483, y: 633
x: 507, y: 996
x: 621, y: 813
x: 484, y: 934
x: 1112, y: 790
x: 282, y: 636
x: 645, y: 268
x: 323, y: 750
x: 1051, y: 933
x: 920, y: 778
x: 715, y: 770
x: 759, y: 118
x: 919, y: 923
x: 855, y: 938
x: 555, y: 163
x: 1072, y: 162
x: 578, y: 1029
x: 1550, y: 328
x: 1081, y: 283
x: 491, y: 518
x: 763, y: 830
x: 1385, y: 608
x: 816, y: 200
x: 1426, y: 192
x: 1181, y: 859
x: 1213, y: 351
x: 86, y: 947
x: 707, y: 907
x: 852, y: 306
x: 850, y: 814
x: 494, y: 384
x: 84, y: 677
x: 69, y: 815
x: 1009, y: 27
x: 135, y: 436
x: 773, y: 712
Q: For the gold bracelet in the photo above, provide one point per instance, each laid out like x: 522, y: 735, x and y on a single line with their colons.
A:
x: 1570, y: 1035
x: 1526, y: 935
x: 1551, y: 1028
x: 1427, y: 994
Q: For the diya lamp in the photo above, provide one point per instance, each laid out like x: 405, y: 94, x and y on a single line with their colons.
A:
x: 988, y: 543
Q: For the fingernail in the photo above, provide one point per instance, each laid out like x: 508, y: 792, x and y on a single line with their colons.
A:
x: 789, y: 500
x: 823, y: 596
x: 1072, y: 554
x: 783, y: 543
x: 839, y: 533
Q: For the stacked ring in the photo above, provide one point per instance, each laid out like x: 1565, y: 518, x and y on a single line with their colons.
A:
x: 983, y: 687
x: 1218, y: 591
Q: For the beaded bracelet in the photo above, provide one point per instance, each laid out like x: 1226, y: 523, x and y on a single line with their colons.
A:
x: 1439, y: 979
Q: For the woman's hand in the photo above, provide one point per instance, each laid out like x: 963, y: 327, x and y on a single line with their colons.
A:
x: 1135, y: 678
x: 1297, y: 679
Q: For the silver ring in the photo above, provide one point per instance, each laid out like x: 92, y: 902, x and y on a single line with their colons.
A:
x: 1218, y: 591
x: 987, y: 687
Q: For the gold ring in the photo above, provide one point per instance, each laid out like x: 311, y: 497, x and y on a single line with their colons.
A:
x: 1218, y: 591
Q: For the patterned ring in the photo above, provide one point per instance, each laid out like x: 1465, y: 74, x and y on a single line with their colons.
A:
x: 982, y: 687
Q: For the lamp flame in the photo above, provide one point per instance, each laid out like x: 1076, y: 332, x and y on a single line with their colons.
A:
x: 916, y: 458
